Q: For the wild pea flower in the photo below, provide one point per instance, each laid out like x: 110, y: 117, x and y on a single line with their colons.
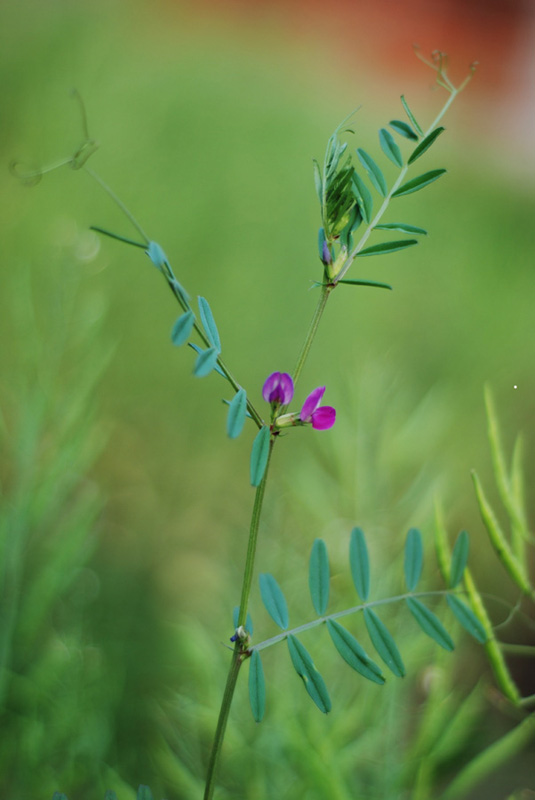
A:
x: 279, y: 389
x: 321, y: 417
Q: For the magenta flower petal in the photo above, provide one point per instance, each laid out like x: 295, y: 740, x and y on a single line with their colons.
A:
x: 311, y: 403
x: 323, y: 418
x: 278, y: 388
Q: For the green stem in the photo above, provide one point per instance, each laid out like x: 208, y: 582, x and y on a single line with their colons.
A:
x: 240, y: 650
x: 320, y: 308
x: 232, y: 677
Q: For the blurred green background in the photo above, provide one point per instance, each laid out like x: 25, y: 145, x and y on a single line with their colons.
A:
x: 124, y: 507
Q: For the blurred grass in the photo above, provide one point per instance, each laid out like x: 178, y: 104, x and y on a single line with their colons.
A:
x: 207, y: 131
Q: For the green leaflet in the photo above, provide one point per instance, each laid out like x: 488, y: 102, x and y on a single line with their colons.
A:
x: 363, y: 197
x: 304, y: 666
x: 249, y: 623
x: 384, y: 643
x: 318, y: 576
x: 430, y: 623
x: 257, y: 686
x: 206, y: 361
x: 182, y: 328
x: 374, y: 172
x: 157, y: 255
x: 387, y: 247
x: 467, y: 618
x: 400, y: 226
x: 317, y: 180
x: 353, y: 282
x: 403, y: 129
x: 419, y: 182
x: 144, y: 793
x: 359, y: 563
x: 390, y: 147
x: 259, y: 455
x: 425, y: 144
x: 59, y: 796
x: 274, y: 600
x: 110, y: 795
x: 199, y: 350
x: 237, y: 412
x: 411, y: 116
x: 414, y: 556
x: 209, y: 325
x: 353, y: 653
x: 459, y: 557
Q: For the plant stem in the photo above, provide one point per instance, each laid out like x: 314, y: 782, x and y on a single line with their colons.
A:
x: 320, y: 308
x: 232, y: 677
x: 239, y: 654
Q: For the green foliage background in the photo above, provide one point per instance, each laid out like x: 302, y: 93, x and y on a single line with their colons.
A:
x: 126, y: 506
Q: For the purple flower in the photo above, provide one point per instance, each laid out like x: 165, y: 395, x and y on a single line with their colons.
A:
x: 321, y: 418
x: 278, y: 388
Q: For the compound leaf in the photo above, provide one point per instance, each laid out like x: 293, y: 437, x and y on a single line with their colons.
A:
x: 353, y: 653
x: 430, y: 623
x: 274, y: 600
x: 318, y: 576
x: 304, y: 666
x: 384, y: 643
x: 257, y: 686
x: 414, y: 555
x: 359, y: 563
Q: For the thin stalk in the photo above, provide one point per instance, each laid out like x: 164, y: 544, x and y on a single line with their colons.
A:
x: 320, y: 308
x: 240, y: 652
x: 232, y: 677
x: 118, y: 202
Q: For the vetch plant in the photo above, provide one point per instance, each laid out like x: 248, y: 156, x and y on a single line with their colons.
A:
x: 354, y: 197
